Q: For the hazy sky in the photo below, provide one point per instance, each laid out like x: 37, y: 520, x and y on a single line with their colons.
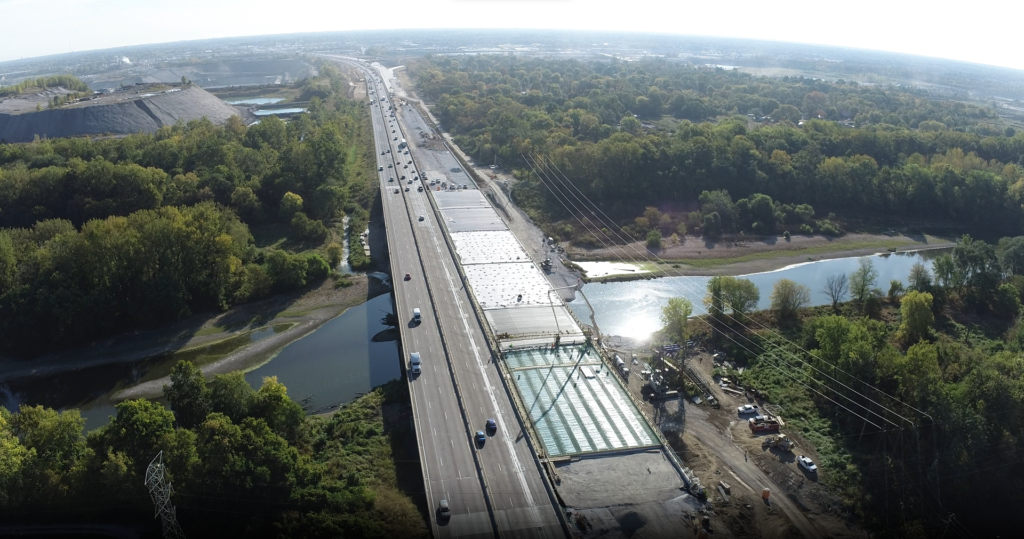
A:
x: 983, y: 31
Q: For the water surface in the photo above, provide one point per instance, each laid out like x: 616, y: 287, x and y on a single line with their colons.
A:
x: 337, y: 362
x: 288, y: 110
x: 334, y: 364
x: 633, y: 309
x: 255, y: 101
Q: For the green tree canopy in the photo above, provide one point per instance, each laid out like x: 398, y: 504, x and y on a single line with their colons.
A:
x: 788, y: 297
x: 188, y: 394
x: 674, y: 317
x: 916, y: 311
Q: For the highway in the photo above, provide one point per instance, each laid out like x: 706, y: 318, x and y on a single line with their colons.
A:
x: 496, y: 488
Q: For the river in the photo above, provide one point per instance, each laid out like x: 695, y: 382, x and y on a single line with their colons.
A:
x: 339, y: 361
x: 633, y: 308
x: 334, y: 364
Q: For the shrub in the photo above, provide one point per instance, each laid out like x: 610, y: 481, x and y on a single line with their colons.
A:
x: 787, y: 235
x: 308, y: 229
x: 806, y: 229
x: 316, y: 267
x: 654, y: 240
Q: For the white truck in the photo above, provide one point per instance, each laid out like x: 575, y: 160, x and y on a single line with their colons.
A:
x: 414, y: 362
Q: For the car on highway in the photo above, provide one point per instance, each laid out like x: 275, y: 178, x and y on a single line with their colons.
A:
x: 492, y: 426
x: 397, y: 191
x: 806, y: 464
x: 415, y: 362
x: 408, y: 277
x: 391, y: 179
x: 396, y: 138
x: 380, y: 169
x: 747, y: 409
x: 443, y: 512
x: 389, y: 165
x: 421, y: 217
x: 406, y: 189
x: 480, y: 438
x: 420, y: 189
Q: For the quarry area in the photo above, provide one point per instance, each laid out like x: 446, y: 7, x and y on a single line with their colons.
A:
x: 140, y: 108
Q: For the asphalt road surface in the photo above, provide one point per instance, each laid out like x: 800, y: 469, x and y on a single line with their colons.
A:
x: 498, y: 486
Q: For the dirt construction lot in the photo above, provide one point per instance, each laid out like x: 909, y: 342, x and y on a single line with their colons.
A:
x: 719, y: 447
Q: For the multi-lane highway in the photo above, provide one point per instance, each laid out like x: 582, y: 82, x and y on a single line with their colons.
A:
x: 492, y: 488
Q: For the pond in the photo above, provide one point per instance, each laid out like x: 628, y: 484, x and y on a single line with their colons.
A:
x: 633, y: 308
x: 255, y: 101
x: 287, y: 110
x: 334, y: 364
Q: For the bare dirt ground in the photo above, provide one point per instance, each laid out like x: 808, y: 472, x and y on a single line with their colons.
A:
x: 755, y: 254
x: 307, y: 309
x: 718, y: 446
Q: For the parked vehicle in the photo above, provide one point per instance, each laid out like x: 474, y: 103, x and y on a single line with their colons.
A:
x: 747, y: 409
x: 763, y: 426
x: 781, y: 442
x: 806, y: 464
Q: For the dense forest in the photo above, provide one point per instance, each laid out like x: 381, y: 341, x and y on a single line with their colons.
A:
x: 913, y: 395
x: 658, y: 133
x: 243, y: 463
x: 101, y: 236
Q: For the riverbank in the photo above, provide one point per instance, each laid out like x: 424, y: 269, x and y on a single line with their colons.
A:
x: 301, y: 312
x: 696, y: 257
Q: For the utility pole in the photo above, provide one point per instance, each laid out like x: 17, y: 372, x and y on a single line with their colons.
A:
x: 160, y: 491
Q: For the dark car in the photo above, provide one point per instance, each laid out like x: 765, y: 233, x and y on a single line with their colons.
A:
x: 492, y: 426
x: 480, y: 438
x: 443, y: 512
x: 408, y: 277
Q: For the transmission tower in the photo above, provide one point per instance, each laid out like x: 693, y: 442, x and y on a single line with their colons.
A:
x: 160, y: 491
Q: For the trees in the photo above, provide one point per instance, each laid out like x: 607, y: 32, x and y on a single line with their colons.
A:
x: 291, y: 204
x: 137, y: 430
x: 654, y: 240
x: 920, y: 279
x: 1012, y: 259
x: 836, y: 288
x: 862, y: 281
x: 674, y: 317
x: 188, y: 394
x: 916, y: 311
x: 740, y: 296
x: 895, y: 290
x: 788, y: 297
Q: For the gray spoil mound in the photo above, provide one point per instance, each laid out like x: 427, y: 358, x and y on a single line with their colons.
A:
x: 117, y: 114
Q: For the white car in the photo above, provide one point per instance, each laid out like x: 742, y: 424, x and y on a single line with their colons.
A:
x: 806, y: 464
x: 747, y: 409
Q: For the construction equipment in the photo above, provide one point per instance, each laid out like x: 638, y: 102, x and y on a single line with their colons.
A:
x: 781, y: 442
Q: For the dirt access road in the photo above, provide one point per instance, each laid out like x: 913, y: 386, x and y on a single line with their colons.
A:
x: 748, y: 473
